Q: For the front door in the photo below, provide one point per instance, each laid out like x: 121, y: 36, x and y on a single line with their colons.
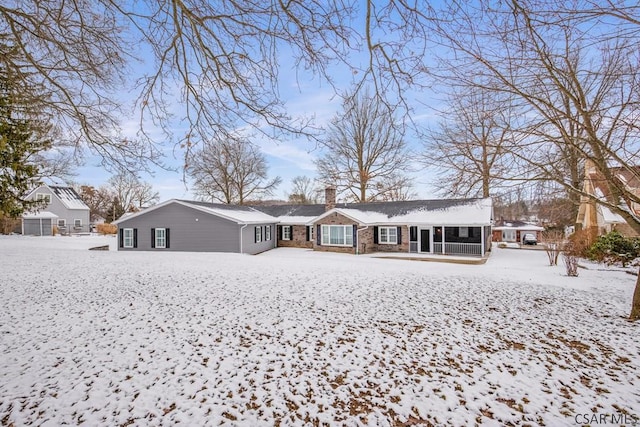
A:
x: 425, y: 244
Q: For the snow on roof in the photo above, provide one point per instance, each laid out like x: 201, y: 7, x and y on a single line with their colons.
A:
x: 238, y: 214
x: 68, y: 196
x: 440, y: 212
x: 524, y: 227
x: 39, y: 215
x: 610, y: 217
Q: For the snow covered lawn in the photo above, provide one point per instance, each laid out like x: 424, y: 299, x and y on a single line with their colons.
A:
x: 292, y: 337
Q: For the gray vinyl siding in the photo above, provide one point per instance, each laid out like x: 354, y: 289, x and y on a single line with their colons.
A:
x: 249, y: 245
x: 192, y: 230
x: 69, y: 215
x: 32, y: 226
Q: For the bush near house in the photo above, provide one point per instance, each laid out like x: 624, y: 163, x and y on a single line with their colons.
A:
x: 613, y: 248
x: 106, y: 229
x: 582, y: 240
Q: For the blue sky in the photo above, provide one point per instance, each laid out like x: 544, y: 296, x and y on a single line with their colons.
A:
x: 304, y: 94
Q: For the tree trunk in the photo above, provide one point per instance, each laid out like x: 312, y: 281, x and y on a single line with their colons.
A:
x: 635, y: 304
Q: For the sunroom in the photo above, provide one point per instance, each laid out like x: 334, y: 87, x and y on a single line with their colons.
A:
x: 468, y: 240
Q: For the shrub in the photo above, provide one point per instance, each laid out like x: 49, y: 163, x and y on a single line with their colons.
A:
x: 582, y: 240
x: 570, y: 260
x: 107, y: 228
x: 614, y: 248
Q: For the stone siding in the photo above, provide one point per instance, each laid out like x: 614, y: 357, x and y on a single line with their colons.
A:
x: 298, y: 238
x: 365, y: 238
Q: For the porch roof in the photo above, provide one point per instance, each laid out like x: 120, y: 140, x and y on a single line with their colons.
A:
x: 457, y: 212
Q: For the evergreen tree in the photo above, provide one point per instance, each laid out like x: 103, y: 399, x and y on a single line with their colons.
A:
x: 18, y: 146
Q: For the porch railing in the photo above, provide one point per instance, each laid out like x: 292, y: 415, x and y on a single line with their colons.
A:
x: 458, y: 248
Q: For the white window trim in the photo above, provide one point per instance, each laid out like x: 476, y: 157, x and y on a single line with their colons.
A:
x: 327, y: 242
x: 164, y: 238
x: 258, y: 233
x: 77, y: 222
x: 267, y: 233
x: 126, y: 231
x: 63, y: 221
x: 41, y: 196
x: 310, y: 233
x: 388, y: 236
x: 286, y: 228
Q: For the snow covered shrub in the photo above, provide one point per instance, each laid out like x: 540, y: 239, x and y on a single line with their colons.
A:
x: 614, y: 248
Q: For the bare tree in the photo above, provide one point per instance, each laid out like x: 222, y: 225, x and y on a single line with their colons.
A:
x: 470, y: 148
x: 131, y: 193
x: 220, y: 61
x: 231, y: 170
x: 365, y: 147
x: 304, y: 191
x: 576, y: 85
x: 99, y: 200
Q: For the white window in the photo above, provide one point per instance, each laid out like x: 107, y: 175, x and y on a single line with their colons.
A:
x: 267, y: 233
x: 463, y: 232
x: 77, y: 223
x: 337, y: 235
x: 286, y: 232
x: 127, y: 237
x: 258, y: 234
x: 388, y: 235
x: 161, y: 238
x: 508, y: 235
x: 62, y: 223
x: 310, y: 233
x: 43, y: 196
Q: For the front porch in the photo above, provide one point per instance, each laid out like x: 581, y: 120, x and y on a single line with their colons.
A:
x: 447, y: 240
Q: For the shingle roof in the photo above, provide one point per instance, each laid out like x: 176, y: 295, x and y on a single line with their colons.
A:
x: 68, y: 196
x: 292, y: 210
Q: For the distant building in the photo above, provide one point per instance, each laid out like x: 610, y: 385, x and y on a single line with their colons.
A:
x: 593, y: 215
x: 64, y: 209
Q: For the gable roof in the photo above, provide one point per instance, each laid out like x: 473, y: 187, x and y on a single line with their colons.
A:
x: 293, y: 214
x: 234, y: 213
x: 68, y: 196
x: 441, y: 212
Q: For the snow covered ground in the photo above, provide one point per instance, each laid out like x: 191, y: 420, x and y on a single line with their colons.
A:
x: 293, y: 337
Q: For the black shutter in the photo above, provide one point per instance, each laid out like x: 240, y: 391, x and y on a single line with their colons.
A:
x: 166, y: 238
x: 279, y: 232
x: 413, y: 233
x: 121, y: 235
x: 135, y: 237
x: 153, y: 238
x: 308, y: 233
x: 375, y: 234
x: 399, y: 235
x: 255, y: 234
x: 355, y: 235
x: 318, y: 236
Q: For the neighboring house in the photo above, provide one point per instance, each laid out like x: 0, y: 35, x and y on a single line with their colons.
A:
x: 181, y: 225
x: 513, y: 231
x: 592, y: 215
x: 63, y: 205
x: 457, y: 227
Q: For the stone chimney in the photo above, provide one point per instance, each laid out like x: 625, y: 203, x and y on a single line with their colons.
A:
x: 329, y: 198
